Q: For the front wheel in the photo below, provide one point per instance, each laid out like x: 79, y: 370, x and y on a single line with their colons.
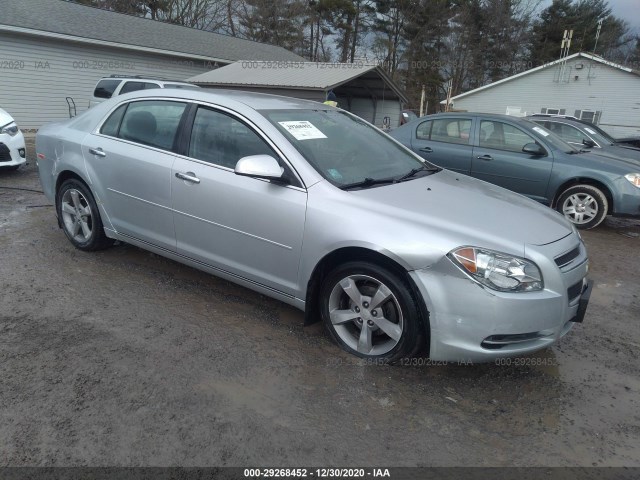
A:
x: 371, y: 312
x: 80, y: 216
x: 583, y: 205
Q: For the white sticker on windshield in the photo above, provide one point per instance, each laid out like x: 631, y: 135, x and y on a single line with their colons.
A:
x: 590, y: 131
x: 303, y: 130
x: 541, y: 131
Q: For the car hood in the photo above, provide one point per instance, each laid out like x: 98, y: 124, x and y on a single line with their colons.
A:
x: 614, y: 156
x: 5, y: 118
x: 629, y: 155
x: 474, y: 208
x: 627, y: 139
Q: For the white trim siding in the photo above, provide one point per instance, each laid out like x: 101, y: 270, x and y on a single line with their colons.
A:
x: 588, y: 83
x: 37, y: 74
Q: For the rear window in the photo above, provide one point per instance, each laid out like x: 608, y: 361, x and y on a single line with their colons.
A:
x: 178, y: 85
x: 152, y: 122
x: 112, y: 125
x: 105, y: 88
x: 135, y: 86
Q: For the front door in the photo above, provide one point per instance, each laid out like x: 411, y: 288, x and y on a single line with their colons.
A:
x: 246, y: 226
x: 499, y: 159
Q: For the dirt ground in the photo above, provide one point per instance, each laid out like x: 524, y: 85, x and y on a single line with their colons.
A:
x: 125, y: 358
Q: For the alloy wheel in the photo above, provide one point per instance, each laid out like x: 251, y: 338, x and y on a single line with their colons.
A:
x: 580, y: 208
x: 366, y: 315
x: 76, y: 215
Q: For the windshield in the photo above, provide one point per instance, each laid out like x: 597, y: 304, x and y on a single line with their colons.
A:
x: 551, y: 138
x: 344, y: 149
x: 598, y: 134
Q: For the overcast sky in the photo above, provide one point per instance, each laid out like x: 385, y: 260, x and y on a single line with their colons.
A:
x: 627, y: 10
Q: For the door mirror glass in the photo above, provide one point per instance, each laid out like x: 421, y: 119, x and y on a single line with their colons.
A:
x: 259, y: 166
x: 588, y: 143
x: 533, y: 149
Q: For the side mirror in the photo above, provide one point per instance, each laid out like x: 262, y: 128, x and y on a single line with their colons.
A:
x: 259, y: 166
x: 534, y: 149
x: 587, y: 142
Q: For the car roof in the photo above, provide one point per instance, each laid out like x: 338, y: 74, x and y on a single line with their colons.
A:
x: 256, y: 101
x: 497, y: 116
x: 559, y: 118
x: 489, y: 116
x: 142, y: 77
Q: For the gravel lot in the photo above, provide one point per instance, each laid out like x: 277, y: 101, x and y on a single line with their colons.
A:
x: 125, y: 358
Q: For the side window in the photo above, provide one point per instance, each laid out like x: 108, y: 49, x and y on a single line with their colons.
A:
x: 503, y: 136
x: 567, y: 133
x: 221, y: 139
x: 112, y: 125
x: 177, y: 85
x: 135, y: 86
x: 152, y: 122
x: 451, y: 130
x: 105, y: 88
x: 424, y: 130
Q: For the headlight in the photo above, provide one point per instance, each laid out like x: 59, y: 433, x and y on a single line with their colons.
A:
x: 498, y: 271
x: 633, y: 178
x: 11, y: 129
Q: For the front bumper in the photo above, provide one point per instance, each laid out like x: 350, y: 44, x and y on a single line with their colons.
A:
x: 12, y: 150
x: 471, y: 323
x: 626, y: 201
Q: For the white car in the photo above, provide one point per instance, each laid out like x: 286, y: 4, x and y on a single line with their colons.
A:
x: 108, y: 87
x: 12, y: 149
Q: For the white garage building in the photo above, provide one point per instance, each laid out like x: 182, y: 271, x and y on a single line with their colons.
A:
x: 53, y: 49
x: 365, y: 90
x: 583, y: 85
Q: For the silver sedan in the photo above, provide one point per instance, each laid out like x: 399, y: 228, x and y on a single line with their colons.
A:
x: 313, y: 206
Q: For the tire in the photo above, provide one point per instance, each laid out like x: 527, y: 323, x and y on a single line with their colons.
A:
x: 349, y: 289
x: 80, y: 217
x: 585, y: 206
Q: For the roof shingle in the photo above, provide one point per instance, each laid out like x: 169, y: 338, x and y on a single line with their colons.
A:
x: 68, y: 18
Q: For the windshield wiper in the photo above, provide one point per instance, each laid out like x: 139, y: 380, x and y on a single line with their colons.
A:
x: 367, y: 182
x: 415, y: 171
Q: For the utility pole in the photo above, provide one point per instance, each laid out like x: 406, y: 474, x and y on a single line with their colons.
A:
x: 449, y: 87
x: 422, y: 101
x: 598, y: 34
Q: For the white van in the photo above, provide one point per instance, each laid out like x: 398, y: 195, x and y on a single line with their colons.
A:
x: 115, y: 85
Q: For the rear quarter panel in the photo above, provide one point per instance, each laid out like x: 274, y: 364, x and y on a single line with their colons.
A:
x: 59, y: 150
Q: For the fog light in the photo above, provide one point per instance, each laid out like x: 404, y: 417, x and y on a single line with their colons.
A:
x: 21, y: 152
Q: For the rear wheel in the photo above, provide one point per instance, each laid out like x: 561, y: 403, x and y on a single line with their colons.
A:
x: 80, y: 217
x: 371, y: 312
x: 583, y: 205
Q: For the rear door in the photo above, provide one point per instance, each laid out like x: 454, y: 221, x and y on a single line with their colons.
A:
x: 129, y: 161
x: 246, y: 226
x: 498, y: 158
x: 446, y: 141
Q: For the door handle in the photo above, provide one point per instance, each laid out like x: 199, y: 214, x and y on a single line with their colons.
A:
x: 188, y: 177
x: 426, y: 149
x: 98, y: 152
x: 485, y: 157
